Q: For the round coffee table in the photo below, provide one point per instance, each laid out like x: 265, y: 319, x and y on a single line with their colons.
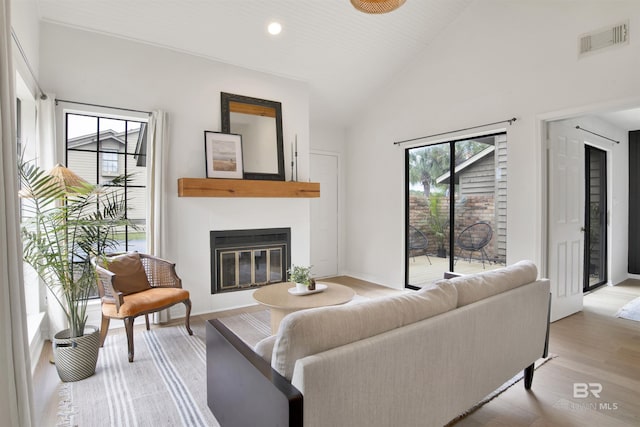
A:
x: 281, y: 302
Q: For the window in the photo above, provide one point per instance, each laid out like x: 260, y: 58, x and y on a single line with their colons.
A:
x: 109, y: 163
x: 99, y: 148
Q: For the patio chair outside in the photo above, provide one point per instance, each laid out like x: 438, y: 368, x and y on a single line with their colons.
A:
x: 475, y: 238
x: 418, y: 241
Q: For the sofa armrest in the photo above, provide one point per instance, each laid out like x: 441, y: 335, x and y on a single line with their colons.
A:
x: 242, y: 388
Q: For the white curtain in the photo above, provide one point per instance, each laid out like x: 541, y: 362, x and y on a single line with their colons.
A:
x: 15, y: 371
x: 156, y: 197
x: 48, y: 151
x: 48, y: 154
x: 156, y: 184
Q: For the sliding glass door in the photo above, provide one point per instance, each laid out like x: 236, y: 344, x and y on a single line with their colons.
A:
x: 428, y: 215
x: 456, y: 210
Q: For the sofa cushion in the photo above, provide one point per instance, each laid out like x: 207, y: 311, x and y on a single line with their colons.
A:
x: 130, y: 275
x: 264, y: 348
x: 312, y: 331
x: 474, y: 287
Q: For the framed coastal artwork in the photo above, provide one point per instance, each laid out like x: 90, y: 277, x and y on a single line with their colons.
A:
x: 223, y: 154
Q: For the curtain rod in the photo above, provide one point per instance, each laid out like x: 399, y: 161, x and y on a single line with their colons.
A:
x: 101, y: 106
x: 597, y: 134
x: 510, y: 121
x: 26, y: 61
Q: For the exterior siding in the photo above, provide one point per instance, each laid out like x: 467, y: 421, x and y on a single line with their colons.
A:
x: 479, y: 179
x: 501, y: 196
x: 85, y: 163
x: 488, y: 177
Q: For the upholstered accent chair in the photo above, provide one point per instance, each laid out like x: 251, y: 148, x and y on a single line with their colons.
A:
x: 134, y: 284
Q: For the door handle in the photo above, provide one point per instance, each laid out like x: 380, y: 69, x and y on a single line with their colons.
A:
x: 583, y: 229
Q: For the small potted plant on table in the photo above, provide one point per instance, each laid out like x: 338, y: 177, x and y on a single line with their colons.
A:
x: 301, y: 276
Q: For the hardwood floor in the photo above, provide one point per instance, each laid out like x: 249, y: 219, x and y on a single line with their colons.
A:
x: 46, y: 388
x: 593, y: 346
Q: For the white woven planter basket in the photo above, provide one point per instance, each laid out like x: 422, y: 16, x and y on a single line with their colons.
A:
x: 76, y: 358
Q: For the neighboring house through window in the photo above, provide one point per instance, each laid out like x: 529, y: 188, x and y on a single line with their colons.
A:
x: 99, y: 148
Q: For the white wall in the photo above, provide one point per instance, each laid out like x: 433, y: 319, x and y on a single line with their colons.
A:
x: 90, y: 67
x: 500, y: 59
x: 24, y: 22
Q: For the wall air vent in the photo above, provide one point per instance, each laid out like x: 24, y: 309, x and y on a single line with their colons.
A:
x: 604, y: 38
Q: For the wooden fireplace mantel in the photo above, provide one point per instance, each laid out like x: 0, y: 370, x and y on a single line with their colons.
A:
x: 212, y: 187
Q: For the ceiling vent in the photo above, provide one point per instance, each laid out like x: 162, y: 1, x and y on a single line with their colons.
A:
x: 604, y: 38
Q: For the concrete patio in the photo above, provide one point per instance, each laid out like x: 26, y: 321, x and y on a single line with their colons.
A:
x: 422, y: 273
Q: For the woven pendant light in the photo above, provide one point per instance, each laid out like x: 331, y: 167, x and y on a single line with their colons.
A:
x: 67, y: 180
x: 377, y: 6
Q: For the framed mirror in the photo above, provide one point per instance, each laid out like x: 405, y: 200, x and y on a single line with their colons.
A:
x: 259, y: 121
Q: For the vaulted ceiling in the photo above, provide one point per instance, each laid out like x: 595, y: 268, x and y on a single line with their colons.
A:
x: 344, y: 55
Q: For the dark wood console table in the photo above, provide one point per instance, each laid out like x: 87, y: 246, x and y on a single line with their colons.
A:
x: 242, y: 388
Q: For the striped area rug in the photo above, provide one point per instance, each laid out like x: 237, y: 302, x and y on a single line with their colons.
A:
x: 164, y: 386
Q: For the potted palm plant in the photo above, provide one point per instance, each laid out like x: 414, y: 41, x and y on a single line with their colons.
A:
x: 437, y: 224
x: 67, y: 223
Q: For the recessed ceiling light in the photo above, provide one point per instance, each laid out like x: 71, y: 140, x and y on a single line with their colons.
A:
x: 274, y: 28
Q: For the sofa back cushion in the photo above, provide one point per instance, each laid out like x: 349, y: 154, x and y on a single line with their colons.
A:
x: 475, y: 287
x: 309, y: 332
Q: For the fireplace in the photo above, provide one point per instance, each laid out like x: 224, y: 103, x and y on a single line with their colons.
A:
x: 244, y: 259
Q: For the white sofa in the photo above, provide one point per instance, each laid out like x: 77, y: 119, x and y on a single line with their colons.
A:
x: 415, y: 359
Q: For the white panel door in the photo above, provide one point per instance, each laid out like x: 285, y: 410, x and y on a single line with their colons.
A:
x: 324, y: 216
x: 566, y: 218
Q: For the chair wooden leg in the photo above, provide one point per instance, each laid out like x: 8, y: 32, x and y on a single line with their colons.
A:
x: 187, y: 322
x: 104, y: 328
x: 146, y: 320
x: 128, y: 326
